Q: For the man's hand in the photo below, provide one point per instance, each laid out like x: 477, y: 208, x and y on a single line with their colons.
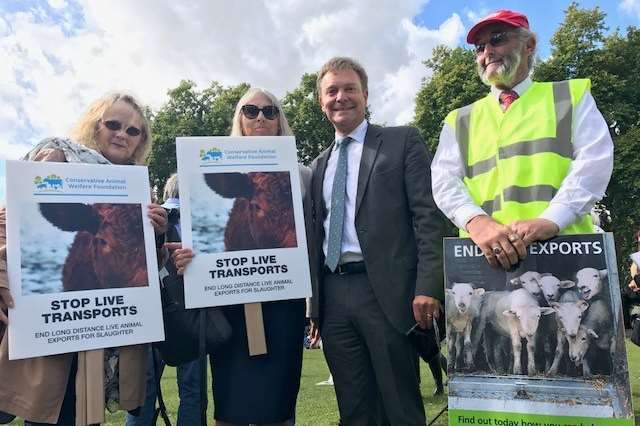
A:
x: 314, y: 332
x: 425, y: 309
x: 6, y: 301
x: 181, y: 257
x: 534, y: 230
x: 500, y: 245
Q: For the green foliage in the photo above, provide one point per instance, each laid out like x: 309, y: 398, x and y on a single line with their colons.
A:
x: 189, y: 112
x: 623, y: 194
x: 453, y: 84
x: 312, y: 129
x: 575, y: 45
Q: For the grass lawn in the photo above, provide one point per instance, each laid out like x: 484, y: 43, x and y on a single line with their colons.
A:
x: 317, y: 405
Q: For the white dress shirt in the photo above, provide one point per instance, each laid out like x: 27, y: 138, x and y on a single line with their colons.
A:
x: 584, y: 185
x: 351, y: 251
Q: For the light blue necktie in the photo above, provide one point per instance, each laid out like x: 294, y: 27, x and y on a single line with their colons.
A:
x: 338, y: 193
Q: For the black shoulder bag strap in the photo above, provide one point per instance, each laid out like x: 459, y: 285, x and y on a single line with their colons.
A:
x: 161, y: 410
x: 202, y: 350
x: 203, y: 367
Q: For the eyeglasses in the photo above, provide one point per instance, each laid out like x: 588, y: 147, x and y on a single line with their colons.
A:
x: 495, y: 40
x: 115, y: 125
x: 270, y: 112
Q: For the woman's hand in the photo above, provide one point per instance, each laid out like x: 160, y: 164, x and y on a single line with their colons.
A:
x: 6, y: 301
x: 181, y: 257
x: 158, y: 216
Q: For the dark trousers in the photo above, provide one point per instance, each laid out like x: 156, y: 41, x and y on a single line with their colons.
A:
x: 373, y: 364
x: 67, y: 415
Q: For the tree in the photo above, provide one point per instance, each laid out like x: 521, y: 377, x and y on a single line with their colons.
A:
x: 454, y: 83
x: 580, y: 49
x: 189, y: 112
x: 311, y: 127
x: 575, y: 45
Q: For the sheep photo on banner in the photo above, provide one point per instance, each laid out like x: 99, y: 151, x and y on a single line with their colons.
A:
x: 241, y: 213
x: 81, y: 258
x: 540, y: 344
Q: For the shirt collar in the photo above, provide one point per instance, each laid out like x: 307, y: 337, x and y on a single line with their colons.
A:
x: 519, y: 88
x: 357, y: 134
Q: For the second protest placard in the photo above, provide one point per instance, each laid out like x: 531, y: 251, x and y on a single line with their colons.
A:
x: 241, y: 213
x: 542, y: 344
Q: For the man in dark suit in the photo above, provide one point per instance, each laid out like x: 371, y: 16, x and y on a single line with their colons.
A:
x: 378, y: 235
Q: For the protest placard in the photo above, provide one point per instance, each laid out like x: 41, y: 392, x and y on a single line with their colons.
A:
x: 81, y: 258
x: 542, y: 344
x: 241, y: 213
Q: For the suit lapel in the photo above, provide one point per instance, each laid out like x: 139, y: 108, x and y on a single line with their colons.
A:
x: 372, y: 141
x: 322, y: 168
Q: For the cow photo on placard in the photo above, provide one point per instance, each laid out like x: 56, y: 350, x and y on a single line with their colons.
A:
x: 242, y: 211
x: 555, y: 316
x: 76, y: 246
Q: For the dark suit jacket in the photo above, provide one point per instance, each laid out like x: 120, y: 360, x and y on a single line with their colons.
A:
x: 397, y: 222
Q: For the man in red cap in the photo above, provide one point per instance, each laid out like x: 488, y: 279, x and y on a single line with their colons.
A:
x: 527, y: 161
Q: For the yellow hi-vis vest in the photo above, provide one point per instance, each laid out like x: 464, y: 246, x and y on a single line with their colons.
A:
x: 516, y: 160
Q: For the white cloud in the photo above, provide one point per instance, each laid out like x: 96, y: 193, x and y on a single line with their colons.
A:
x: 57, y: 59
x: 631, y: 7
x: 475, y: 15
x: 57, y: 4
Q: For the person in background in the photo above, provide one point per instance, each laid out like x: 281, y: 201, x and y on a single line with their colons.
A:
x: 41, y: 390
x: 261, y: 389
x: 529, y: 160
x: 634, y: 284
x: 188, y: 374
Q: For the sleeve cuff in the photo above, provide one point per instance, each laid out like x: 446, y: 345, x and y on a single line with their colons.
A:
x: 465, y: 213
x: 560, y: 215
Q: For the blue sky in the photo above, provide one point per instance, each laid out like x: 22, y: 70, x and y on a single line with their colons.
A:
x: 544, y: 16
x: 59, y: 55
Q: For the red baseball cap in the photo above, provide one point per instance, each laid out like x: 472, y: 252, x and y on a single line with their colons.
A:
x: 509, y: 17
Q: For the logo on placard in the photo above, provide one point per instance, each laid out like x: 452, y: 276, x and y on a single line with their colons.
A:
x: 211, y: 154
x: 48, y: 183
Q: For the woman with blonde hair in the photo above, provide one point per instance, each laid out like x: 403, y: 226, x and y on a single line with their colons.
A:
x: 268, y: 383
x: 42, y: 390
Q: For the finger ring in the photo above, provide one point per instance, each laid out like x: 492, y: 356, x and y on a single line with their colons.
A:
x: 514, y: 237
x: 497, y: 250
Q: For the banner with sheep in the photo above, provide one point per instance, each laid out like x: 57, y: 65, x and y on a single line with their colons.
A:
x: 81, y: 258
x: 241, y: 213
x: 542, y: 344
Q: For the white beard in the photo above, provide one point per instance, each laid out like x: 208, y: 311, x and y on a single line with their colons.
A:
x: 506, y: 72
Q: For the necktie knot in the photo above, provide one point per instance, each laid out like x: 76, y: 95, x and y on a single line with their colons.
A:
x: 343, y: 142
x: 507, y: 97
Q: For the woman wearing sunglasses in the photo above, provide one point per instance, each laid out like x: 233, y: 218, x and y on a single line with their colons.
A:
x: 43, y: 390
x: 261, y: 389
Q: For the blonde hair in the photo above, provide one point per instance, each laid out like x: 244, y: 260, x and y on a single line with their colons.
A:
x: 342, y: 63
x: 171, y: 188
x: 85, y: 130
x: 283, y: 124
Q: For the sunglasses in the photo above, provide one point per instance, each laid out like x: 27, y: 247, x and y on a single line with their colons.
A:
x: 115, y: 125
x: 270, y: 112
x: 495, y: 40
